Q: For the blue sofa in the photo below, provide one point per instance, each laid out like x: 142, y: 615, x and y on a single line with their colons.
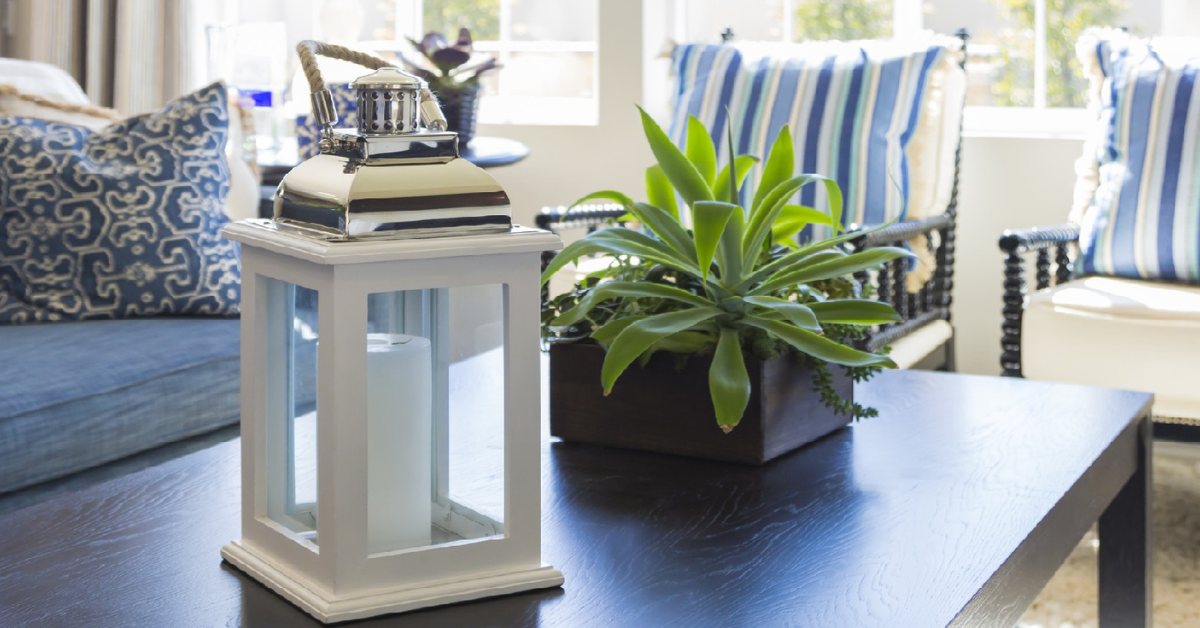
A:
x: 76, y: 395
x: 80, y: 394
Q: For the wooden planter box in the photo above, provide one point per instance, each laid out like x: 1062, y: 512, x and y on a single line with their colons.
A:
x: 660, y: 408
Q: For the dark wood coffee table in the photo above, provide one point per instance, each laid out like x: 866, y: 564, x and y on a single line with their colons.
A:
x: 954, y: 507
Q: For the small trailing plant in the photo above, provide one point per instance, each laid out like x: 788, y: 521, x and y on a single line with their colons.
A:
x: 735, y: 284
x: 445, y: 67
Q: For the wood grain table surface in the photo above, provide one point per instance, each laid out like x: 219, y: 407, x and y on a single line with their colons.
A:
x: 953, y: 507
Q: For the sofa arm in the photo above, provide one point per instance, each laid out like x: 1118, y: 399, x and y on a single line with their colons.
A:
x: 1013, y: 244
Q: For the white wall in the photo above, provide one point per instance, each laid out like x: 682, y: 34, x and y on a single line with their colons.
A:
x: 1006, y: 182
x: 567, y: 162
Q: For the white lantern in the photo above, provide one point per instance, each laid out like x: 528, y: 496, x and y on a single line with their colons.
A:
x: 390, y: 403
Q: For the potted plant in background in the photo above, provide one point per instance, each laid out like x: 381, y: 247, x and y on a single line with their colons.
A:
x: 735, y: 326
x: 452, y: 79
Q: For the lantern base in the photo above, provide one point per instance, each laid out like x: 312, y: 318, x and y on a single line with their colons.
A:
x: 377, y: 602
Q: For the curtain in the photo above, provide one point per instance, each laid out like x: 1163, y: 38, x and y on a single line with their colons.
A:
x: 131, y: 55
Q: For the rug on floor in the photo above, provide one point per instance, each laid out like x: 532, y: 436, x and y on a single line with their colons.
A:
x: 1069, y: 599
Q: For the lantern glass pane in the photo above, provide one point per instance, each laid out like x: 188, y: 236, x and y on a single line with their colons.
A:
x: 435, y: 417
x: 291, y: 407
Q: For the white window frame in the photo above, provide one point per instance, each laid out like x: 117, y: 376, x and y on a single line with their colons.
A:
x: 508, y: 109
x: 1037, y: 120
x: 519, y: 110
x: 989, y: 121
x: 1040, y: 121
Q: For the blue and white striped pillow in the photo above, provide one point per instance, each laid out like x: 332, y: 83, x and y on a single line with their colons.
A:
x: 852, y: 107
x: 705, y: 75
x: 1143, y: 220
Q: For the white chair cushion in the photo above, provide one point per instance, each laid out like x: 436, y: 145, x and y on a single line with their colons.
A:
x: 954, y: 96
x: 934, y: 146
x: 1119, y: 333
x: 12, y: 105
x: 41, y: 79
x: 932, y: 154
x: 564, y: 280
x: 911, y: 349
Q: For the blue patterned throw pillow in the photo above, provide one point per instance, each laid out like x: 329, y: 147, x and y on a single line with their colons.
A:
x: 117, y: 223
x: 308, y: 132
x: 1143, y: 219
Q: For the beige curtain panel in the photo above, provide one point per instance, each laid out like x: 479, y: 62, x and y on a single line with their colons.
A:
x: 131, y: 55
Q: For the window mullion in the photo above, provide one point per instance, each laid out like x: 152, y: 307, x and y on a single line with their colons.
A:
x: 409, y: 19
x: 679, y: 13
x: 1174, y: 17
x: 1039, y: 54
x: 789, y: 21
x: 908, y: 17
x: 505, y: 46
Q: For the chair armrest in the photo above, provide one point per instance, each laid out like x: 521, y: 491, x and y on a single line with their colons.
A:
x: 1041, y: 240
x: 589, y: 216
x: 905, y: 230
x: 1013, y: 244
x: 1038, y: 238
x: 932, y: 301
x: 580, y: 216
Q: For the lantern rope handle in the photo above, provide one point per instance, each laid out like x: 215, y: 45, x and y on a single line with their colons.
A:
x: 309, y: 49
x: 322, y: 101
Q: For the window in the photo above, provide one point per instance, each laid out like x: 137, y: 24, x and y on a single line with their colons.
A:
x: 547, y: 47
x: 1022, y: 72
x: 791, y: 20
x: 1023, y: 51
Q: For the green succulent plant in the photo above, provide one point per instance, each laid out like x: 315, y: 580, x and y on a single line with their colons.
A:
x: 735, y: 284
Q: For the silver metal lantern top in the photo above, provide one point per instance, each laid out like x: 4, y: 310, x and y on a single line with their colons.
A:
x: 398, y: 175
x: 389, y: 101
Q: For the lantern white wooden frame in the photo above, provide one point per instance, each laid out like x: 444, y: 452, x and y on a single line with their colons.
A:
x: 339, y: 580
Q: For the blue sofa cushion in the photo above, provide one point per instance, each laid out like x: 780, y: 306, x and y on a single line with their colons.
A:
x: 120, y: 222
x: 75, y: 395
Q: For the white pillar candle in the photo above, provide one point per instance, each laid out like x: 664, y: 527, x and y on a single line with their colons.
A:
x: 399, y: 425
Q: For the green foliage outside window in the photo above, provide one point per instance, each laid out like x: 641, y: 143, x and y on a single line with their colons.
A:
x: 481, y: 17
x: 1065, y: 21
x: 1013, y: 83
x: 843, y: 19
